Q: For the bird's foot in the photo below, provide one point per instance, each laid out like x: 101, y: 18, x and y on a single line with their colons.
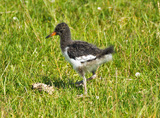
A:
x: 79, y: 83
x: 83, y: 96
x: 79, y: 96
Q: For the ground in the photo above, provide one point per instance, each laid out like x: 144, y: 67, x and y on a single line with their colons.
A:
x: 26, y: 57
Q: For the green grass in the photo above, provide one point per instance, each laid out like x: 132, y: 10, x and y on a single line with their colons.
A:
x: 26, y: 57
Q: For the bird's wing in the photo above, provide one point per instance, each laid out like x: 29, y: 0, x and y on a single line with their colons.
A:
x: 83, y: 59
x: 82, y: 51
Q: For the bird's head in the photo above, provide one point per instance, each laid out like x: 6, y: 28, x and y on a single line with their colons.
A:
x: 61, y: 29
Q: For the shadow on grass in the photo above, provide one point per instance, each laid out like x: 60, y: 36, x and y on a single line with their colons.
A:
x: 59, y: 83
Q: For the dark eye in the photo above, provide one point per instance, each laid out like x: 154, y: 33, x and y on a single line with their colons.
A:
x: 61, y: 31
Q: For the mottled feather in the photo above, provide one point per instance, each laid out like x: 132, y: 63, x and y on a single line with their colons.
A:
x: 81, y: 48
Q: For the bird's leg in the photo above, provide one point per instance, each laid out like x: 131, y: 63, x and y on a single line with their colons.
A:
x: 92, y: 77
x: 79, y: 83
x: 85, y: 85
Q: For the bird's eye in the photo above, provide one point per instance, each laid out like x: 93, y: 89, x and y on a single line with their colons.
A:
x: 61, y: 31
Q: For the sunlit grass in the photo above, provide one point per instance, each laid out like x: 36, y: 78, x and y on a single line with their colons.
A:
x: 26, y: 57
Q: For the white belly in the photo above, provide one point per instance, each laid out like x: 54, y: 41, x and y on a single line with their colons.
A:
x: 87, y: 66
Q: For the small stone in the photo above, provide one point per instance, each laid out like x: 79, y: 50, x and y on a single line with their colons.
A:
x: 137, y: 74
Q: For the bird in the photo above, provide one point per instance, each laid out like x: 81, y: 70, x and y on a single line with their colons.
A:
x: 83, y: 56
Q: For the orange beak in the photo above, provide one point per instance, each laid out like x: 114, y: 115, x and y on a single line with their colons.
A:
x: 52, y: 34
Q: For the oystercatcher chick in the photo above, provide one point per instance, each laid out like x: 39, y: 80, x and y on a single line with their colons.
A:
x: 84, y: 57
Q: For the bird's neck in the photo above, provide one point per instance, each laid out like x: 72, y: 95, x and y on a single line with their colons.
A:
x: 65, y: 40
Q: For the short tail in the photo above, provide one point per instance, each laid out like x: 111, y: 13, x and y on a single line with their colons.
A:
x: 106, y: 51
